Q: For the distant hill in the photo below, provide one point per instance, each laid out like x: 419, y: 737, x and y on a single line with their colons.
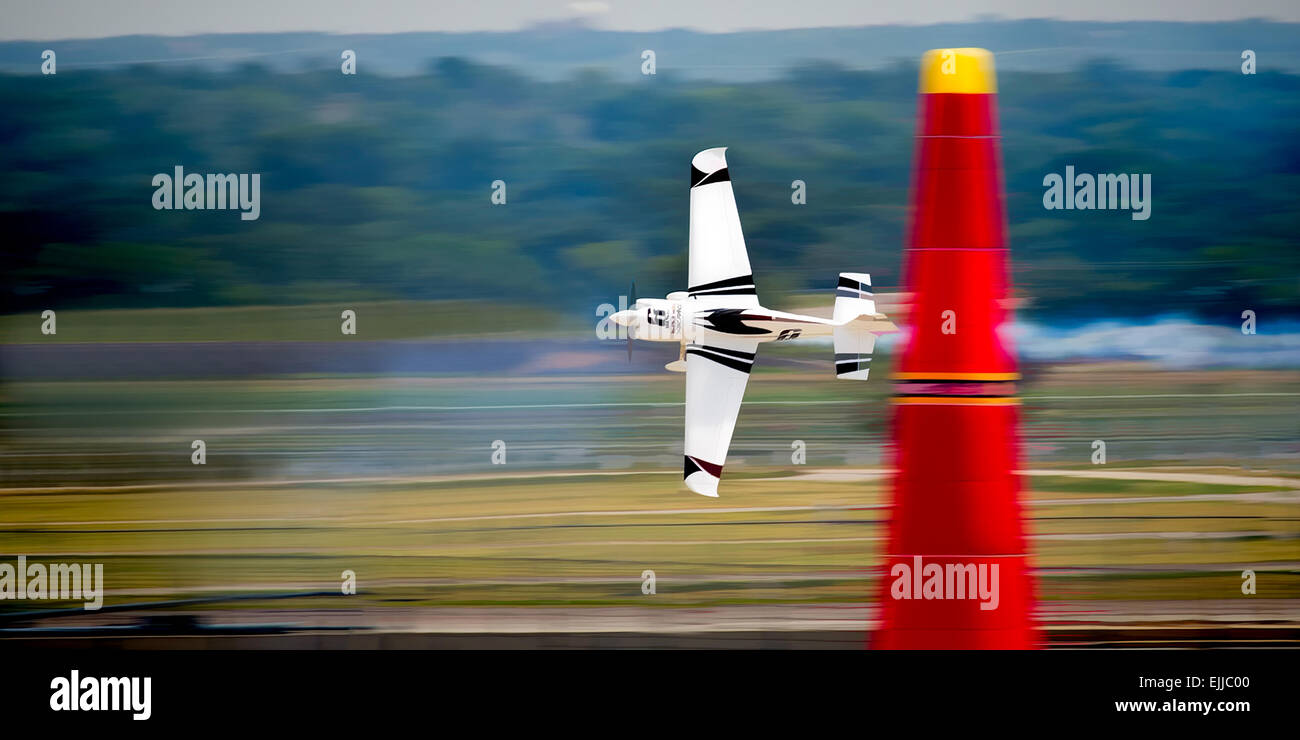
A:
x: 557, y: 50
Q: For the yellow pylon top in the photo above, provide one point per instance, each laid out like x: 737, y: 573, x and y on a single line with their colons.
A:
x: 967, y: 70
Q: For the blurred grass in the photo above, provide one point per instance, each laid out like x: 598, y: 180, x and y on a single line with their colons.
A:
x: 524, y: 545
x: 424, y: 538
x: 1118, y: 487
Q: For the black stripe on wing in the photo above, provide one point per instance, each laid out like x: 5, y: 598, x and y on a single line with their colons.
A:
x: 740, y: 281
x: 698, y: 177
x: 734, y: 359
x: 726, y: 291
x: 696, y: 465
x: 738, y: 354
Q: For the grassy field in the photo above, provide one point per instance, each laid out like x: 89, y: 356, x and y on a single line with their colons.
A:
x: 585, y: 540
x: 391, y: 477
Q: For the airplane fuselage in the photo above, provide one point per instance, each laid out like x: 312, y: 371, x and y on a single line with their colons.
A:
x: 691, y: 320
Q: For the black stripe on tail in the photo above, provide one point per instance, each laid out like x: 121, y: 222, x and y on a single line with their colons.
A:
x: 850, y: 362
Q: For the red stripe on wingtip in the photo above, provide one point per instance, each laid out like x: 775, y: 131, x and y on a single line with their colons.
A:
x: 708, y: 467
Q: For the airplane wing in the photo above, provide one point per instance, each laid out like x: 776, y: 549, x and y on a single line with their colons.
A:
x: 719, y: 264
x: 716, y: 375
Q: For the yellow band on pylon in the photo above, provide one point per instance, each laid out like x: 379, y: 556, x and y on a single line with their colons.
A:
x: 966, y: 70
x: 956, y: 401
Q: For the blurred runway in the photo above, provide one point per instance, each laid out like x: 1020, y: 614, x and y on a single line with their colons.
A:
x: 1067, y: 625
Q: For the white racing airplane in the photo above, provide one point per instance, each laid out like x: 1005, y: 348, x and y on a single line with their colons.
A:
x: 719, y: 323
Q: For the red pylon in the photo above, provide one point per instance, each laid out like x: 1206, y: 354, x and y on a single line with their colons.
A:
x: 956, y: 516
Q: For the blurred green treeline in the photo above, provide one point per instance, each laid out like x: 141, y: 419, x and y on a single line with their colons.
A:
x: 378, y: 188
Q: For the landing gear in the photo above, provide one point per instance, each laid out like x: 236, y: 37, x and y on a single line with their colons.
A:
x: 679, y: 365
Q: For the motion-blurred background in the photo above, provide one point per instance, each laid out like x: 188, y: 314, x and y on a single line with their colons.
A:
x: 476, y: 329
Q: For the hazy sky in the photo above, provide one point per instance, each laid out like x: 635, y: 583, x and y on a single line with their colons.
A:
x: 63, y: 19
